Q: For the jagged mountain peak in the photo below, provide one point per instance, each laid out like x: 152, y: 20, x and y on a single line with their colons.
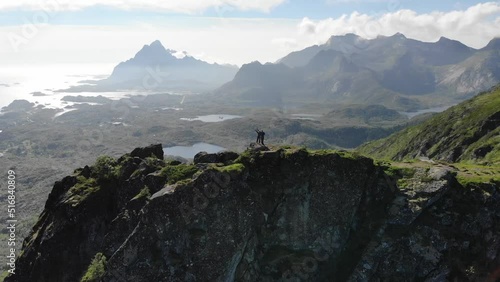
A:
x: 399, y: 35
x: 154, y: 46
x: 444, y: 39
x: 156, y: 52
x: 494, y: 44
x: 451, y: 43
x: 156, y: 43
x: 257, y: 66
x: 184, y: 71
x: 153, y: 52
x: 253, y: 63
x: 400, y: 68
x: 345, y: 37
x: 342, y: 41
x: 395, y: 38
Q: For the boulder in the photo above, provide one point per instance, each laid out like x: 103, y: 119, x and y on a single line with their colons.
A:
x: 257, y: 147
x: 155, y: 150
x: 86, y: 172
x: 221, y: 157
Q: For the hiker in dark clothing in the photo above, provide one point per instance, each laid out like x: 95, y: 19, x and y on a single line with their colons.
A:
x: 260, y: 136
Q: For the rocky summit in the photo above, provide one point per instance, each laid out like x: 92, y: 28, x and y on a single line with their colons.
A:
x: 282, y: 214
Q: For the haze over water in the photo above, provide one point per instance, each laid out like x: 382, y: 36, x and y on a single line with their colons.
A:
x: 19, y: 82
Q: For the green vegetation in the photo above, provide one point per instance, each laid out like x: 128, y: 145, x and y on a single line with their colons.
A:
x: 82, y: 189
x: 154, y: 162
x: 342, y: 153
x: 3, y: 275
x: 321, y: 152
x: 105, y: 168
x: 466, y: 132
x: 403, y: 175
x: 96, y: 269
x: 295, y: 150
x: 466, y: 174
x: 247, y: 156
x: 349, y: 155
x: 178, y: 172
x: 118, y: 168
x: 470, y: 173
x: 237, y: 167
x: 395, y: 171
x: 143, y: 193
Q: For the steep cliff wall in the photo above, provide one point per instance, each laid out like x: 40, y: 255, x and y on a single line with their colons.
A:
x: 276, y: 215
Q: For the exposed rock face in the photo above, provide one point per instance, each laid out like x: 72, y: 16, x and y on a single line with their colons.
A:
x: 150, y: 151
x: 256, y: 147
x: 221, y: 157
x: 437, y: 231
x: 279, y: 215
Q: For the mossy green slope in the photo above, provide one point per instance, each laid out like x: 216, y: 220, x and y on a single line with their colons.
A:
x: 469, y: 131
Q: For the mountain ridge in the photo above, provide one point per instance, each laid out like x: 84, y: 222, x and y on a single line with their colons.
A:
x: 259, y: 215
x: 155, y: 67
x: 467, y: 135
x: 397, y: 72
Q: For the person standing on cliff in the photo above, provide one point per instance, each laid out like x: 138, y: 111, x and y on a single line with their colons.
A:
x: 260, y: 136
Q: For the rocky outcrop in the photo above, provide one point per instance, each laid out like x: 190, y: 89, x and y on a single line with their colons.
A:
x: 150, y: 151
x: 221, y: 157
x: 436, y: 231
x: 274, y: 215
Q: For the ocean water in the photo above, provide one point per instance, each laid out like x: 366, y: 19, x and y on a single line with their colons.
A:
x: 19, y: 82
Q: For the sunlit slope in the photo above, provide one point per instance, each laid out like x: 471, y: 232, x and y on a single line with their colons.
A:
x: 468, y: 131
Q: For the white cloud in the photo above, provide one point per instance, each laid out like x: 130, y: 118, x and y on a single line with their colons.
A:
x: 474, y: 26
x: 332, y: 2
x: 225, y: 40
x: 285, y: 42
x: 184, y: 6
x: 307, y: 26
x: 235, y: 40
x: 179, y: 54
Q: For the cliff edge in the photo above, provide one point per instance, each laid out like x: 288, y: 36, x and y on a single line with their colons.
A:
x: 276, y: 215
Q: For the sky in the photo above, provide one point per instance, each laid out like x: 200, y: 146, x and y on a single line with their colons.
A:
x: 224, y: 31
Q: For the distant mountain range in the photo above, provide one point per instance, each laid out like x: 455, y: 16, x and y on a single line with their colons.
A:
x: 394, y: 71
x: 397, y: 72
x: 156, y: 68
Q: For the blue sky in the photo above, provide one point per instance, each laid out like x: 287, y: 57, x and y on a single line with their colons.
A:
x: 225, y: 31
x: 292, y: 9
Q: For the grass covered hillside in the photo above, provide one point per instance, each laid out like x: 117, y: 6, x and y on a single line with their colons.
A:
x: 466, y: 132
